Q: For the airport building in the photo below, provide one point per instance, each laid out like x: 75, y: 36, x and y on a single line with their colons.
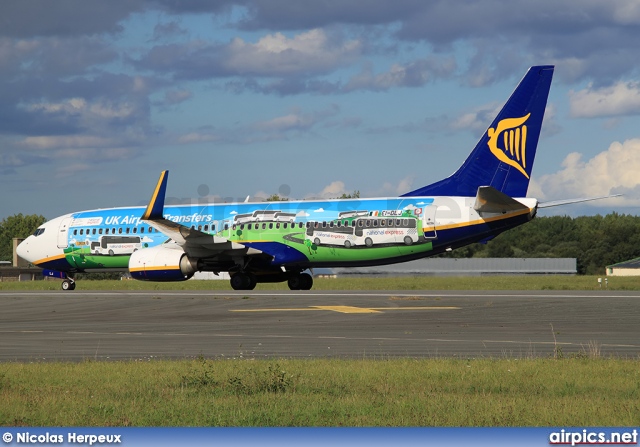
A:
x: 626, y: 268
x: 470, y: 267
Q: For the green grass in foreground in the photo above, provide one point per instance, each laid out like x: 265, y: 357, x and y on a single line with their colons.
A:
x: 530, y: 282
x: 324, y: 392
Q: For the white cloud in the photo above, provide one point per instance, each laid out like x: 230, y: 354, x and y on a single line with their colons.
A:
x: 333, y: 190
x: 198, y: 137
x: 389, y: 189
x: 413, y: 74
x: 622, y: 98
x: 303, y: 214
x: 276, y: 54
x: 478, y: 119
x: 612, y: 171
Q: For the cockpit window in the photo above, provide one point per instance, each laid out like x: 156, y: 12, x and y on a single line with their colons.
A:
x: 38, y: 232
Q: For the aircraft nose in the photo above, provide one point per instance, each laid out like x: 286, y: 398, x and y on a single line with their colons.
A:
x: 23, y: 249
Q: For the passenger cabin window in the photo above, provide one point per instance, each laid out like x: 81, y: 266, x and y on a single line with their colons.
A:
x: 120, y: 230
x: 100, y: 231
x: 141, y: 229
x: 127, y: 230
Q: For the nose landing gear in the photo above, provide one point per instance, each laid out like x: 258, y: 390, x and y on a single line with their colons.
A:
x: 68, y: 284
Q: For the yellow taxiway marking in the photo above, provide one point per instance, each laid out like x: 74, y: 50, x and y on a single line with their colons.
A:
x: 348, y: 309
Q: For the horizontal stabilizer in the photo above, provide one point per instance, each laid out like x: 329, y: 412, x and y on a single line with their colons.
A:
x: 570, y: 201
x: 490, y: 200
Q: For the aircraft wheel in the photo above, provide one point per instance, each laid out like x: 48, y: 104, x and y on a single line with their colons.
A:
x: 68, y: 285
x: 408, y: 240
x: 306, y: 281
x: 303, y: 281
x: 368, y: 242
x: 252, y: 282
x: 243, y: 281
x: 294, y: 282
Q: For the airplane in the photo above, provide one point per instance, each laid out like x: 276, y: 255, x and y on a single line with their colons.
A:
x: 280, y: 241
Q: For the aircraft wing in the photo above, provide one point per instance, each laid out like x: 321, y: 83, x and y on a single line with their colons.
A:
x: 189, y: 238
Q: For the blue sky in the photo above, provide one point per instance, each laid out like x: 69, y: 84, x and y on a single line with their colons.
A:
x: 305, y: 99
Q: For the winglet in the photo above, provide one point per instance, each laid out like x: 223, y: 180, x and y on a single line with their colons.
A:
x: 155, y: 209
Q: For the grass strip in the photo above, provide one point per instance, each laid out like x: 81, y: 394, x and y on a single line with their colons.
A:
x: 523, y: 282
x: 577, y: 391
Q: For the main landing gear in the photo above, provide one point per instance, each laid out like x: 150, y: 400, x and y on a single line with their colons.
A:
x: 248, y: 281
x: 301, y: 281
x: 243, y: 281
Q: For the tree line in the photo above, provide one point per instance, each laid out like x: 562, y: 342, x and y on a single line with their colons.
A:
x: 595, y: 241
x: 16, y: 226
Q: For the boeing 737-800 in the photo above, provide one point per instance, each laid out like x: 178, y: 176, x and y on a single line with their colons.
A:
x: 279, y: 241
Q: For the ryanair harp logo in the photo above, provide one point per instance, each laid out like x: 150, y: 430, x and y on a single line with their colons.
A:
x: 514, y: 139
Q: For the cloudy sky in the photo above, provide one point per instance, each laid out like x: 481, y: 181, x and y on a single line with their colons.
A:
x: 305, y: 99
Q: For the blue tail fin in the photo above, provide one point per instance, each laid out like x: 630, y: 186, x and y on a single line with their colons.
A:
x: 504, y: 156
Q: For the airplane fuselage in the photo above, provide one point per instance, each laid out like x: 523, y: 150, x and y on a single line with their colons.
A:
x: 291, y: 234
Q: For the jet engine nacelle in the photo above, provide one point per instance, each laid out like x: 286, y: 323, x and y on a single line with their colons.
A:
x: 162, y: 263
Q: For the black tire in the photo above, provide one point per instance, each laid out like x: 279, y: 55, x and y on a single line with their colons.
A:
x: 252, y: 282
x: 306, y: 281
x: 243, y: 281
x: 237, y: 281
x: 294, y: 282
x: 368, y: 242
x: 68, y: 285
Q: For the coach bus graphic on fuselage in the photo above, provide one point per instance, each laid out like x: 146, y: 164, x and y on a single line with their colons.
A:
x: 365, y: 231
x: 116, y: 245
x: 265, y: 216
